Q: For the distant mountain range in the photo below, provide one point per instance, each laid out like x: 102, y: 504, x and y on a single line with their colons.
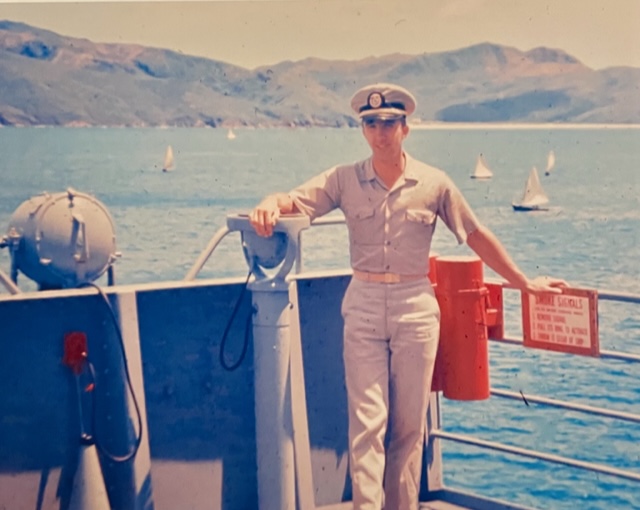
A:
x: 49, y: 79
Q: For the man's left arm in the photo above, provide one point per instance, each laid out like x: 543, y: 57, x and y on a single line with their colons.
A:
x: 492, y: 252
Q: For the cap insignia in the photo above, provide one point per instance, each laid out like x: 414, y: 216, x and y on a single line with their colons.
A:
x: 375, y: 100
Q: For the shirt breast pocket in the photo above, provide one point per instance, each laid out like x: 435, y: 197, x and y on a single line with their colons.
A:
x: 362, y: 225
x: 420, y: 225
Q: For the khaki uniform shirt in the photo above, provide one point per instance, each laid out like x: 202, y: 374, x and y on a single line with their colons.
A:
x: 390, y: 230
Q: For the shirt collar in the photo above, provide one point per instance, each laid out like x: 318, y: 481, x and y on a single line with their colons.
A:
x: 410, y: 173
x: 368, y: 174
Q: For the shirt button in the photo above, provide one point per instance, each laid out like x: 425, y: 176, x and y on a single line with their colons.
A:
x: 387, y: 266
x: 387, y: 243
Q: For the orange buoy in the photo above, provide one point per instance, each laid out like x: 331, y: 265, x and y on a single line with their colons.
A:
x: 462, y: 363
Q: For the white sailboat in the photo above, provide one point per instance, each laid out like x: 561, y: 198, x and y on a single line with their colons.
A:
x: 482, y: 170
x: 169, y: 163
x: 551, y: 162
x: 533, y: 196
x: 230, y: 134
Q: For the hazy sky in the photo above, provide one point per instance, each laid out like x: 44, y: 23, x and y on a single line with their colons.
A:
x: 600, y: 33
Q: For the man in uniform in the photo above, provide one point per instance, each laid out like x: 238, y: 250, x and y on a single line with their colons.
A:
x: 391, y: 203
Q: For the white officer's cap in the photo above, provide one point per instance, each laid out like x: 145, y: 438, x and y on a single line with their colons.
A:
x: 383, y: 100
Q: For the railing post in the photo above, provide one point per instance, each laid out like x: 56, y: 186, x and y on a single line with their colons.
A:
x: 432, y: 477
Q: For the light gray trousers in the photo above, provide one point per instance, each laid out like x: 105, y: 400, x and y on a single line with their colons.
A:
x: 390, y: 340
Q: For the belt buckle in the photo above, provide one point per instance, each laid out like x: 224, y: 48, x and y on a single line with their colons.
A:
x: 391, y: 278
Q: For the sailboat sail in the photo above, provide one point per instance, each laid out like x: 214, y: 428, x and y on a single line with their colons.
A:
x: 230, y: 134
x: 168, y: 160
x: 533, y: 196
x: 551, y: 162
x: 482, y: 170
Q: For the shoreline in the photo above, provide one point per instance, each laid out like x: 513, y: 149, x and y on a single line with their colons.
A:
x: 419, y: 126
x: 516, y: 125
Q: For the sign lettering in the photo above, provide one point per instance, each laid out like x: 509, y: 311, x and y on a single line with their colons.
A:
x: 564, y: 322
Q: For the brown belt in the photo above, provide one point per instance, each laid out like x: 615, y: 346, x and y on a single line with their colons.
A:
x: 386, y: 277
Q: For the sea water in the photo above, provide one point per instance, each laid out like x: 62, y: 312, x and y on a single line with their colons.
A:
x: 589, y: 236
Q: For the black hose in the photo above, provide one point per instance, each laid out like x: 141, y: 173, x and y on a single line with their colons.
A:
x: 101, y: 448
x: 245, y: 345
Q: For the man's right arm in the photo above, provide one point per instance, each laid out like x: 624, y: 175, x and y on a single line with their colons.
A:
x: 265, y: 215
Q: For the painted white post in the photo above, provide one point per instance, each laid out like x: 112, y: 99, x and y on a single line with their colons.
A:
x: 274, y: 431
x: 271, y: 354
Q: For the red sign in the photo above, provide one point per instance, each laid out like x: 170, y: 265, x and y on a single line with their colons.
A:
x: 566, y: 322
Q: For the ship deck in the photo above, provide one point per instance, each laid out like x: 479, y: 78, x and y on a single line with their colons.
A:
x: 191, y: 425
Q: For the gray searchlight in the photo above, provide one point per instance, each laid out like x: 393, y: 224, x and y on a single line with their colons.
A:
x: 281, y: 249
x: 61, y: 240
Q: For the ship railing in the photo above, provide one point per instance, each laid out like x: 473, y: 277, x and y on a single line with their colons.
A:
x: 441, y: 434
x: 8, y: 283
x: 224, y: 231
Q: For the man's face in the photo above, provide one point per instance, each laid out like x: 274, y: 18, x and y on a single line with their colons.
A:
x: 384, y: 136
